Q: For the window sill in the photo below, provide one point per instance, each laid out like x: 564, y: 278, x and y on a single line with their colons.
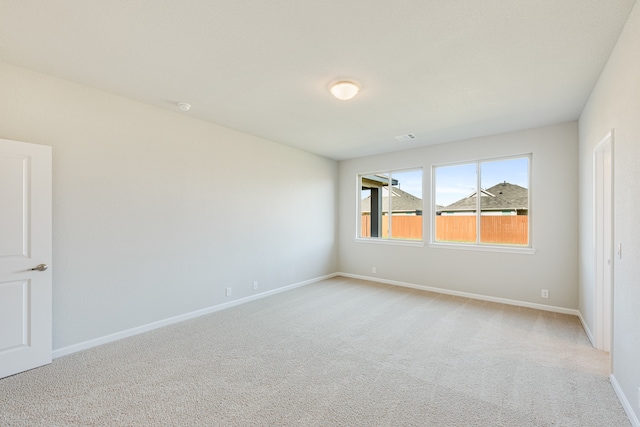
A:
x: 393, y: 242
x: 484, y: 248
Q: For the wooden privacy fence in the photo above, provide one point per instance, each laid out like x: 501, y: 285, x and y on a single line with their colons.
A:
x: 505, y: 229
x: 402, y: 226
x: 494, y: 229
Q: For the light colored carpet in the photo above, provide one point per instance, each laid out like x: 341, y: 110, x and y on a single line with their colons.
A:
x: 340, y: 352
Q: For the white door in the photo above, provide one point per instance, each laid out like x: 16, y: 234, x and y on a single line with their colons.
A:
x: 603, y: 240
x: 25, y: 243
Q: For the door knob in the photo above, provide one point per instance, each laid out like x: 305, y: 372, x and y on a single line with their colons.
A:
x: 40, y: 267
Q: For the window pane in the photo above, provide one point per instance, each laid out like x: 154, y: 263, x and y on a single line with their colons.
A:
x: 505, y: 202
x: 372, y: 208
x: 365, y: 211
x: 391, y: 205
x: 406, y: 205
x: 384, y: 196
x: 456, y: 205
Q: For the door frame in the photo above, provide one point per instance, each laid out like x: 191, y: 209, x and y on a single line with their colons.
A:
x: 603, y: 193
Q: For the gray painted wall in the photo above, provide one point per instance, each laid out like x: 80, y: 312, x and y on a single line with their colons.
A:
x: 512, y: 276
x: 615, y: 104
x: 155, y: 213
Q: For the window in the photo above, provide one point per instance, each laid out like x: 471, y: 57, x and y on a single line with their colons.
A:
x: 390, y: 205
x: 500, y: 216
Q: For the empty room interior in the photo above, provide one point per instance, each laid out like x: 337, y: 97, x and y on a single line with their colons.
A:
x: 319, y: 213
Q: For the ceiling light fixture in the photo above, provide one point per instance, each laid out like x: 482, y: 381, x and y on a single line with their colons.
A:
x: 184, y: 106
x: 344, y: 90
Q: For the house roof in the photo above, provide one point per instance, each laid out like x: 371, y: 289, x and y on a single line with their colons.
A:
x: 503, y: 196
x: 402, y: 201
x: 377, y: 180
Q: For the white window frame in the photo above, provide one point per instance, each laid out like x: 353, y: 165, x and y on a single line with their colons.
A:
x: 390, y: 240
x: 477, y: 245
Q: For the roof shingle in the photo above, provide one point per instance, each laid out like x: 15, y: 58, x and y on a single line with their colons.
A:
x: 503, y: 196
x: 402, y: 202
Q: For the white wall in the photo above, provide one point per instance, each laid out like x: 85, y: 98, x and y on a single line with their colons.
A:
x: 517, y: 277
x: 155, y: 213
x: 615, y: 104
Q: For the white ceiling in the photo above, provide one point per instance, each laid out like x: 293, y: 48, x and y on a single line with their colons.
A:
x: 442, y: 69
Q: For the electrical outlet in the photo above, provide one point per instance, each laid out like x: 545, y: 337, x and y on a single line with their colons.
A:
x: 544, y: 293
x: 227, y: 292
x: 373, y: 270
x: 255, y: 285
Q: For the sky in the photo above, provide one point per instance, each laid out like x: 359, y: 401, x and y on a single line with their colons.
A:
x: 410, y: 181
x: 458, y: 181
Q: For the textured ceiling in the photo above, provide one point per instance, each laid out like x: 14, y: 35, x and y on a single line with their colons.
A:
x: 441, y: 69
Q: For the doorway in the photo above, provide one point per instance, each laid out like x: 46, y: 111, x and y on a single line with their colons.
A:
x: 603, y: 241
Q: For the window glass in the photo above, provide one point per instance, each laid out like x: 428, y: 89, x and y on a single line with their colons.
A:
x: 503, y: 202
x: 456, y: 205
x: 391, y: 205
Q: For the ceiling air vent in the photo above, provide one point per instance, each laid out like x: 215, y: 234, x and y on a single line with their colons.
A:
x: 407, y: 137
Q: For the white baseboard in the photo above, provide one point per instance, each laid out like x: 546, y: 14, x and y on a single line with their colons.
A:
x: 624, y: 401
x: 176, y: 319
x: 587, y: 330
x: 467, y: 294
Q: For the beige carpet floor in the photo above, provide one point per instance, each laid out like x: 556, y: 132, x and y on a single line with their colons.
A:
x: 340, y: 352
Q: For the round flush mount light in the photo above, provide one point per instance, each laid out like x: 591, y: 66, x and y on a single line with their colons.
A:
x: 183, y: 106
x: 344, y: 90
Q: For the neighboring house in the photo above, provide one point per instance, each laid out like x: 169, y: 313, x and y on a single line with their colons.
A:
x: 501, y: 199
x: 402, y: 203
